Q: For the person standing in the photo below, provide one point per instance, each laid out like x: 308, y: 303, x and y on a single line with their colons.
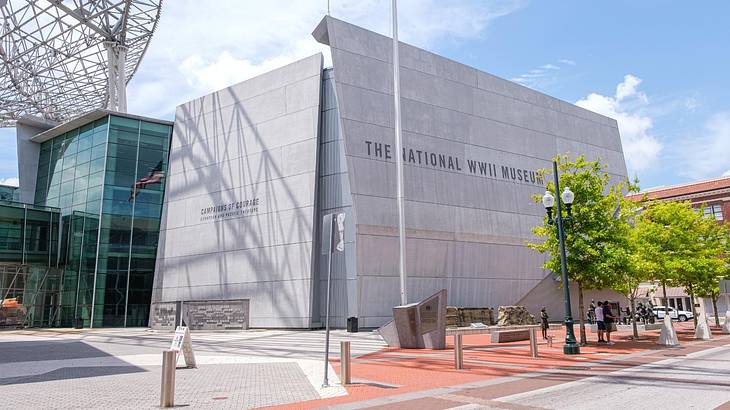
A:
x: 592, y: 312
x: 599, y: 322
x: 544, y: 322
x: 608, y: 319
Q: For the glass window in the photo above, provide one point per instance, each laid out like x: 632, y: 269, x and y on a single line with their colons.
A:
x: 122, y: 151
x: 96, y: 165
x: 53, y: 191
x: 94, y: 193
x: 83, y: 156
x: 81, y: 184
x: 68, y: 175
x: 69, y: 161
x: 79, y: 198
x: 96, y: 179
x: 118, y: 136
x: 99, y: 138
x: 67, y: 188
x: 85, y: 141
x: 82, y: 170
x: 66, y: 201
x: 98, y: 151
x: 126, y: 124
x: 713, y: 210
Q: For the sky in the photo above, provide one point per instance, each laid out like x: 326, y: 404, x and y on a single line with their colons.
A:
x: 658, y: 68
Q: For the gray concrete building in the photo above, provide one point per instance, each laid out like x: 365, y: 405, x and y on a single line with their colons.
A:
x: 254, y: 167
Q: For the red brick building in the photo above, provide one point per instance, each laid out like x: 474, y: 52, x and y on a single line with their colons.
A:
x: 712, y: 195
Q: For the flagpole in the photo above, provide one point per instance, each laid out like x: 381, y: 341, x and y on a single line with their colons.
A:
x: 399, y: 161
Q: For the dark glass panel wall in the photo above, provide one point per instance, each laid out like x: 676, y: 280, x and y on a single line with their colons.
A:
x: 108, y: 179
x: 28, y: 234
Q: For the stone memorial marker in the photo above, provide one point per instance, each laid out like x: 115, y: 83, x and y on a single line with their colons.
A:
x: 419, y: 325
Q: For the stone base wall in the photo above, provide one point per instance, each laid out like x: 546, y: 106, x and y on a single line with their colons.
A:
x: 163, y: 315
x: 216, y: 314
x: 201, y: 315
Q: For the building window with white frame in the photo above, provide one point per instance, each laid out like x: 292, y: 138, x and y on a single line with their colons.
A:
x: 714, y: 210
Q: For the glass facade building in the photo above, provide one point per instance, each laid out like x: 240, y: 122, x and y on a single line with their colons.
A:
x: 29, y: 273
x: 107, y: 179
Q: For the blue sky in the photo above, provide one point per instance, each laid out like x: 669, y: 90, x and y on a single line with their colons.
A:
x: 659, y: 68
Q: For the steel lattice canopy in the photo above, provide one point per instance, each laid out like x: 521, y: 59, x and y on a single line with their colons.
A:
x: 54, y: 53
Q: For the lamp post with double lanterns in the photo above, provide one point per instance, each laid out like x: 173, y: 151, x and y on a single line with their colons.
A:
x: 548, y: 200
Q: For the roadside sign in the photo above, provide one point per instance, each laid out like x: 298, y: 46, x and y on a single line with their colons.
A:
x: 182, y: 341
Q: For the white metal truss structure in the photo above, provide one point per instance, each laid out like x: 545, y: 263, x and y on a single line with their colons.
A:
x: 63, y: 58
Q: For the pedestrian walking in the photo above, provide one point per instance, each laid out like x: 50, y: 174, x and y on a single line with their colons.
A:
x: 599, y: 322
x: 608, y: 320
x: 544, y: 322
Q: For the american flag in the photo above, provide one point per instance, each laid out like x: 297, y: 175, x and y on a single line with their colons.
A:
x: 154, y: 177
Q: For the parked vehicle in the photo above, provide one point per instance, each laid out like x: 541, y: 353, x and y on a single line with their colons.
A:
x: 681, y: 315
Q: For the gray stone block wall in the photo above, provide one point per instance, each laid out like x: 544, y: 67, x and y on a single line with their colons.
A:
x: 217, y: 314
x: 163, y: 315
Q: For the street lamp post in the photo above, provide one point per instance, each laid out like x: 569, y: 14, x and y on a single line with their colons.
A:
x: 548, y: 200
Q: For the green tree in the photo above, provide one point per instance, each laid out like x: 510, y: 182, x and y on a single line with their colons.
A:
x: 713, y: 242
x: 594, y: 235
x: 670, y: 245
x: 626, y: 264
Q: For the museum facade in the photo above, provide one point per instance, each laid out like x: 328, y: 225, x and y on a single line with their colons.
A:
x: 255, y: 167
x: 252, y: 169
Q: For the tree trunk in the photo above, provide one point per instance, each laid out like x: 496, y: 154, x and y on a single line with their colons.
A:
x: 692, y: 300
x: 583, y: 340
x: 714, y: 307
x: 632, y: 300
x: 665, y: 298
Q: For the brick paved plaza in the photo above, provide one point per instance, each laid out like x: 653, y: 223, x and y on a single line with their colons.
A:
x: 115, y: 369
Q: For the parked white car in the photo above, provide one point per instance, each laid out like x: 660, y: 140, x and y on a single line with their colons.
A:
x: 681, y: 315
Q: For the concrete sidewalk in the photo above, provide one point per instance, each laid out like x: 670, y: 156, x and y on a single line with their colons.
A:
x: 120, y: 369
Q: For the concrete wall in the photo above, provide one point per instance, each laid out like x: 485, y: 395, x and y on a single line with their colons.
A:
x: 251, y: 148
x: 333, y: 193
x: 466, y: 227
x: 28, y: 155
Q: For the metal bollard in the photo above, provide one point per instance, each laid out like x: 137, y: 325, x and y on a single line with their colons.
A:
x: 167, y: 388
x: 458, y: 352
x: 345, y: 365
x: 533, y: 343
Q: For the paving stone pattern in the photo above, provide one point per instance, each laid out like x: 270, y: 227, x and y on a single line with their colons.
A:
x: 210, y: 386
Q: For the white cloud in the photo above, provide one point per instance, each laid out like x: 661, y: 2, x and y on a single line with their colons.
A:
x: 707, y: 155
x: 10, y: 181
x: 200, y: 47
x: 641, y: 147
x: 542, y: 76
x: 549, y: 67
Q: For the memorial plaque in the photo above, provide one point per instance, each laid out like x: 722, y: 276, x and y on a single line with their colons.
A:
x: 429, y: 315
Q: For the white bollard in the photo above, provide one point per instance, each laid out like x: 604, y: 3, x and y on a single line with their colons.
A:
x: 726, y: 326
x: 702, y: 331
x: 668, y: 336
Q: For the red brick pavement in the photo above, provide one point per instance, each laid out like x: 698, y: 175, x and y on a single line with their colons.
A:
x: 392, y: 372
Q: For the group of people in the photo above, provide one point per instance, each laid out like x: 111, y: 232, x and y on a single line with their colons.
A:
x: 602, y: 315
